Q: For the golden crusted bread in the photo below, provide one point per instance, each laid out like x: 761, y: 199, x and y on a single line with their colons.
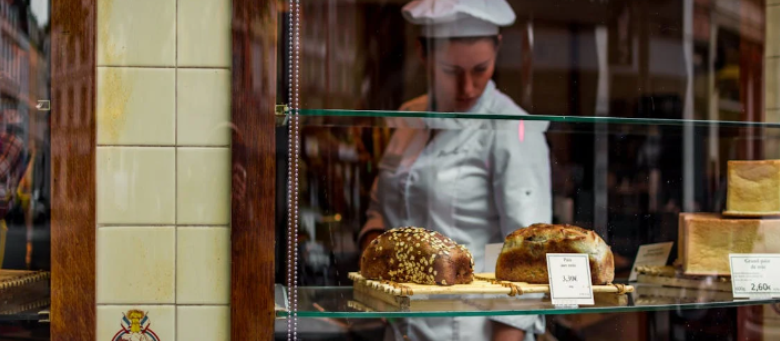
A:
x: 684, y: 218
x: 417, y: 255
x: 707, y: 240
x: 753, y: 188
x: 524, y: 255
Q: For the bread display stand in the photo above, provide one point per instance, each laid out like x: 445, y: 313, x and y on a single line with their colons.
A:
x: 670, y: 276
x: 21, y: 291
x: 662, y: 295
x: 419, y: 297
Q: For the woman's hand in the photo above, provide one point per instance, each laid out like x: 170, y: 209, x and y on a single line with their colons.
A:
x: 503, y: 332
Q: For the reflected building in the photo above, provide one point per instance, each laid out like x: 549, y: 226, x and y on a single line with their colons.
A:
x: 24, y: 80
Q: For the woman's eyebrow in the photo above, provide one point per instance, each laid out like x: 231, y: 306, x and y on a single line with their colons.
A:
x: 448, y: 65
x: 444, y: 64
x: 483, y: 64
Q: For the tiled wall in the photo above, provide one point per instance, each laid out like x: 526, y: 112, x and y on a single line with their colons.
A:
x: 772, y: 77
x: 163, y: 162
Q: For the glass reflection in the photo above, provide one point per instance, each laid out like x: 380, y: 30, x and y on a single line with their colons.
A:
x: 24, y: 134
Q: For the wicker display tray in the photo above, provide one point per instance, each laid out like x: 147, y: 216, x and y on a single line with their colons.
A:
x: 484, y: 285
x: 21, y: 291
x: 671, y: 276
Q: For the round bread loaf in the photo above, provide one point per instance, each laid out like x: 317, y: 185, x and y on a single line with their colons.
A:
x: 524, y: 255
x: 417, y: 255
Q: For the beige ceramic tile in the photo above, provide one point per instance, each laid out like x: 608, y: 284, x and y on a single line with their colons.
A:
x: 203, y: 107
x: 204, y: 33
x: 772, y: 31
x: 203, y: 189
x: 136, y: 265
x: 203, y: 323
x: 203, y: 265
x: 136, y: 185
x: 135, y: 106
x: 161, y: 321
x: 136, y: 32
x: 772, y: 83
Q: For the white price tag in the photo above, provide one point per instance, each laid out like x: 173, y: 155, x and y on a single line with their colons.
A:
x: 755, y: 275
x: 570, y: 282
x: 651, y: 255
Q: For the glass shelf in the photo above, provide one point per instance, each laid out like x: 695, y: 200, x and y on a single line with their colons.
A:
x: 340, y: 302
x: 376, y: 117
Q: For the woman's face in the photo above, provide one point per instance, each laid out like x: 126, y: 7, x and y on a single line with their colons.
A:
x: 459, y: 72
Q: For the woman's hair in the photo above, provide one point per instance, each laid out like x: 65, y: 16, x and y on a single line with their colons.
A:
x: 431, y: 43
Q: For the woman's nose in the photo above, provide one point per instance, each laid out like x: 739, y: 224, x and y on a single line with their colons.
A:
x: 467, y: 87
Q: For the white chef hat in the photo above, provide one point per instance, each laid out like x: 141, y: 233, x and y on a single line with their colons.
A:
x: 459, y: 18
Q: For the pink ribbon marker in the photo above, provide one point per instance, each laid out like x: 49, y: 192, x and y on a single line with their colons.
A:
x: 521, y: 131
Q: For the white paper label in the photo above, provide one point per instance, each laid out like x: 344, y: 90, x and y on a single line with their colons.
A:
x: 651, y: 255
x: 755, y: 275
x: 569, y: 275
x: 491, y: 256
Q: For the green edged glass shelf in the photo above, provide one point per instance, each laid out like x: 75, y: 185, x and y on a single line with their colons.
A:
x: 378, y: 116
x: 340, y: 302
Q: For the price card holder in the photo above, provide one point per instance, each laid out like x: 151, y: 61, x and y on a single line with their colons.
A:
x: 570, y: 282
x: 755, y: 275
x: 651, y: 255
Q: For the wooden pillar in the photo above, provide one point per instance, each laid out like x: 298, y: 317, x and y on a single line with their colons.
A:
x: 253, y: 157
x: 73, y: 139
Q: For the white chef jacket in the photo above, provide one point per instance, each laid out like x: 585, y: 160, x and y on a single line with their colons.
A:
x: 475, y: 182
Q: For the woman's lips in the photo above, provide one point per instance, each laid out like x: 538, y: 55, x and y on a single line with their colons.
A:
x: 464, y: 105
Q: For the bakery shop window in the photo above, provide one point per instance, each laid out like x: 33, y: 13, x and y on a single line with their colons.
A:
x: 600, y: 126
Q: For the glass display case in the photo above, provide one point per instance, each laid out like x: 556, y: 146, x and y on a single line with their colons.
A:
x: 649, y: 127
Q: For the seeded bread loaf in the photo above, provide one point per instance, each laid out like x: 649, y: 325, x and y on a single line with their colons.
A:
x: 524, y: 255
x: 417, y: 255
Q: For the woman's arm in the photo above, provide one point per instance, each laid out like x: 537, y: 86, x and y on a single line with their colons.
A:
x: 503, y: 332
x: 375, y: 224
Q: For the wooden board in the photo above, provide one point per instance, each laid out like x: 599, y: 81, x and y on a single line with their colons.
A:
x: 669, y: 276
x: 684, y: 283
x: 375, y: 302
x: 484, y: 284
x: 654, y: 295
x: 545, y: 288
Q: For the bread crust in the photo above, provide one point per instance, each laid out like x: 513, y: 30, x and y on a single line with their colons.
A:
x: 524, y: 255
x: 754, y: 188
x: 709, y: 239
x: 417, y: 255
